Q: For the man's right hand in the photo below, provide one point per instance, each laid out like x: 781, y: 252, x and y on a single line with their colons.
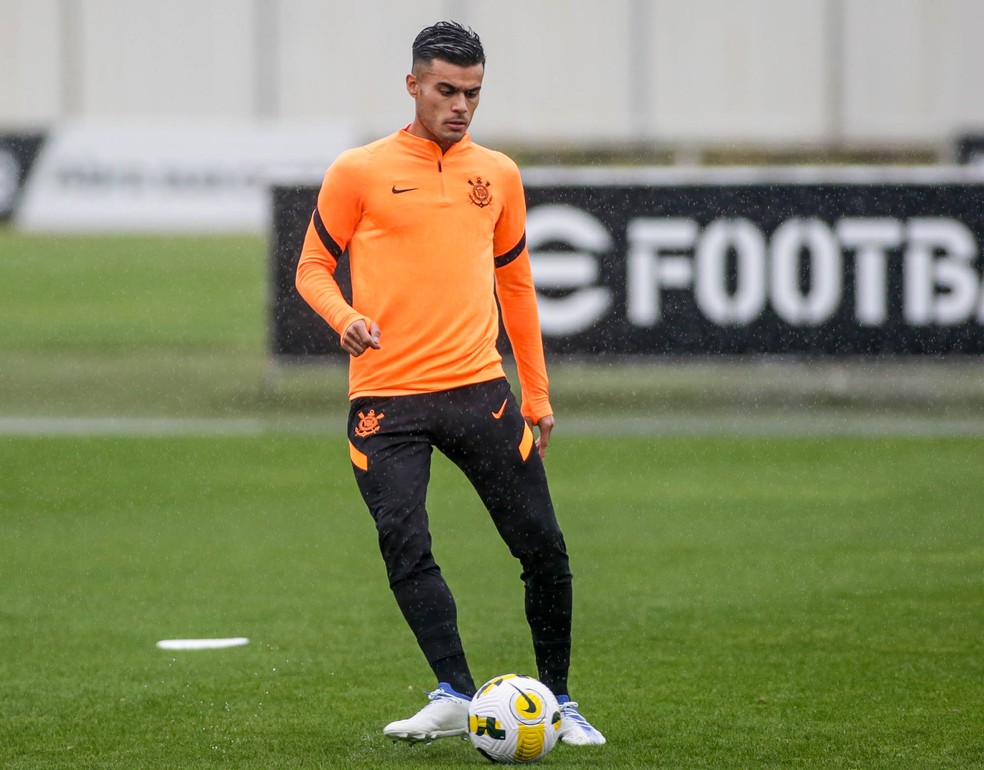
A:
x: 358, y: 338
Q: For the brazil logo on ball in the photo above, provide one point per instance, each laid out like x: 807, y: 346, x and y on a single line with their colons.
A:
x: 513, y: 719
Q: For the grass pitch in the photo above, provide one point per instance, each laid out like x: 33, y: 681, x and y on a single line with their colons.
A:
x: 756, y: 601
x: 740, y: 602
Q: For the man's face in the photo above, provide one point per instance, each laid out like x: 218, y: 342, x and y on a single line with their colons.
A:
x: 446, y: 97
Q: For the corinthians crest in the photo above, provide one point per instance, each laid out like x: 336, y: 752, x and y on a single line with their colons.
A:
x: 368, y: 423
x: 480, y: 194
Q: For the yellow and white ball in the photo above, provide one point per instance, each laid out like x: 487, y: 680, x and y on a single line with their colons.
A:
x: 514, y: 719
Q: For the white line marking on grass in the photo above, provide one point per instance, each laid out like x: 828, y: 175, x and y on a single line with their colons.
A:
x: 793, y: 423
x: 136, y: 426
x: 202, y: 644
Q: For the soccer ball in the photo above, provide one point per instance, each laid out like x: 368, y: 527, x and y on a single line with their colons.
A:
x: 513, y: 719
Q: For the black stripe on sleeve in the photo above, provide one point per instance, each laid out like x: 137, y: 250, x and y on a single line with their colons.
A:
x: 329, y: 243
x: 504, y: 259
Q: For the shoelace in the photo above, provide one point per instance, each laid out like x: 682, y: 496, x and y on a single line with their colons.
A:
x: 570, y: 711
x: 436, y: 695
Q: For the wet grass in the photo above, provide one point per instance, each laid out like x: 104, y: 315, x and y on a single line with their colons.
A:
x: 754, y: 601
x: 740, y: 603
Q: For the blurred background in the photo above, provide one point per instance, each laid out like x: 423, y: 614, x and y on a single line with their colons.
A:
x: 680, y: 81
x: 164, y: 122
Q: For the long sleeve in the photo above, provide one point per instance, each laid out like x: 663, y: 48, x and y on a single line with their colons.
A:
x: 332, y: 224
x: 517, y: 298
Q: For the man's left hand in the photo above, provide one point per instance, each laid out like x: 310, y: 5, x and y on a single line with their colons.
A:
x: 546, y: 425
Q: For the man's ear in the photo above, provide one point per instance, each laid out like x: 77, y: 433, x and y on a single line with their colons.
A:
x: 412, y: 85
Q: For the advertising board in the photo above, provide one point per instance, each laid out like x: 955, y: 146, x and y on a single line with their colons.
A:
x: 170, y: 175
x: 743, y: 261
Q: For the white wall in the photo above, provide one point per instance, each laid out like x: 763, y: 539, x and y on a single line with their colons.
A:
x: 31, y: 65
x: 682, y: 71
x: 180, y: 57
x: 913, y: 68
x: 753, y: 70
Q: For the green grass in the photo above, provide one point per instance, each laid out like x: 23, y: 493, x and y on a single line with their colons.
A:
x: 740, y: 603
x: 135, y: 325
x: 754, y: 601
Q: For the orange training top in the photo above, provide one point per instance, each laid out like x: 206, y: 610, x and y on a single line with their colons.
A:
x: 430, y: 237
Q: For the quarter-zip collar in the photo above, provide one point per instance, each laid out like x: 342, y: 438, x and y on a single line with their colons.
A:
x: 429, y: 149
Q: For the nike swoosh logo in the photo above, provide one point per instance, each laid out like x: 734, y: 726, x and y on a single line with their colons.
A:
x: 530, y: 705
x: 397, y: 191
x: 498, y: 415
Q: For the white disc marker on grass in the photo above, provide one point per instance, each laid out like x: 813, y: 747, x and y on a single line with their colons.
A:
x: 202, y: 644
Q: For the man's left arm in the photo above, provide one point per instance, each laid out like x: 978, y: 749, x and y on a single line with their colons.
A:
x: 517, y: 298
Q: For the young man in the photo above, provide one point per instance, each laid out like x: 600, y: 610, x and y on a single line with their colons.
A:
x: 435, y: 227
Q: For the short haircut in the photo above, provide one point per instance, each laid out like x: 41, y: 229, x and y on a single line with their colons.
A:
x: 448, y: 41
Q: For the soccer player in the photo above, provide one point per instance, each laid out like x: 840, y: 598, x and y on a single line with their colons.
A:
x: 434, y: 226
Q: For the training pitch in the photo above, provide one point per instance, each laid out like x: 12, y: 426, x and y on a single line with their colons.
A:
x: 744, y: 598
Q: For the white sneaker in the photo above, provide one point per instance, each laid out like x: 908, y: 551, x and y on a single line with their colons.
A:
x: 445, y: 716
x: 574, y: 728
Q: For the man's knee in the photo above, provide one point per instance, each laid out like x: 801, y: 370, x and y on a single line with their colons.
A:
x: 406, y: 554
x: 547, y: 565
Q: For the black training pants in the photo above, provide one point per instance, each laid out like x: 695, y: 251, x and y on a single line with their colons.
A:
x: 480, y: 429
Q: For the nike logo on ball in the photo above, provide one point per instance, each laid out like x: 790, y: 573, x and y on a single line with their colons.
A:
x: 397, y: 191
x: 530, y: 705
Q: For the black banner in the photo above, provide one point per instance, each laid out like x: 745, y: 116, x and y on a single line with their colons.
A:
x: 742, y: 262
x: 970, y: 149
x: 295, y: 329
x: 17, y: 153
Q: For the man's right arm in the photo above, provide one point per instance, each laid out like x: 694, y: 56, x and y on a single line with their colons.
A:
x: 329, y: 231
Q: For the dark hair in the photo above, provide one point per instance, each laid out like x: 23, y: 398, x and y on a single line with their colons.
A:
x: 448, y: 41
